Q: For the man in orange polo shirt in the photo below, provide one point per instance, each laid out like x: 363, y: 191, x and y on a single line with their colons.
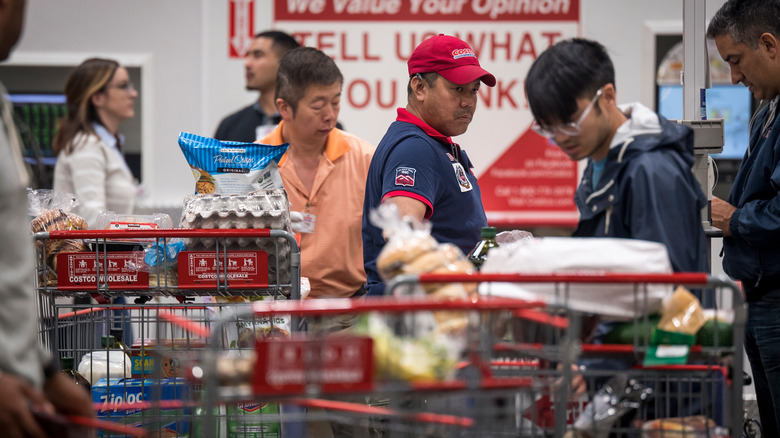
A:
x: 324, y: 172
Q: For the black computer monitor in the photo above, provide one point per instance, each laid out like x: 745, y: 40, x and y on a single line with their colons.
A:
x: 36, y: 116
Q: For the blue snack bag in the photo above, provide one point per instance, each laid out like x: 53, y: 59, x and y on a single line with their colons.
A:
x: 230, y: 167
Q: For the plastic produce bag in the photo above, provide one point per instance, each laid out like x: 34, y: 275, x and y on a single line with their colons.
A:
x: 410, y: 249
x: 51, y: 211
x: 110, y: 220
x: 511, y: 237
x: 419, y: 357
x: 105, y: 363
x: 618, y: 397
x: 682, y: 313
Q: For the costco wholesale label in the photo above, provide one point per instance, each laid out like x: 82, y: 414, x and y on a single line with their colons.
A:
x: 123, y: 270
x: 200, y: 269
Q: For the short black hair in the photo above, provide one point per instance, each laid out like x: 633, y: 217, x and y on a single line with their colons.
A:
x: 282, y: 42
x: 429, y: 77
x: 569, y: 70
x: 746, y: 20
x: 302, y: 67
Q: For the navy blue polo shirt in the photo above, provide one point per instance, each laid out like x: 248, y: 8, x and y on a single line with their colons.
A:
x: 416, y: 161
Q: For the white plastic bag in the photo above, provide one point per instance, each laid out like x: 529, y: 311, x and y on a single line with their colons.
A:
x: 110, y: 364
x: 587, y: 256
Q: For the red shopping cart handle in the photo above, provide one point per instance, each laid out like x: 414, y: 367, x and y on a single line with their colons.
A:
x: 330, y: 306
x: 357, y: 408
x: 185, y: 323
x: 161, y: 233
x: 106, y: 425
x: 576, y: 277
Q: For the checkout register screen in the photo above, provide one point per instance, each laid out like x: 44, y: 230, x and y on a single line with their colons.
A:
x: 732, y: 103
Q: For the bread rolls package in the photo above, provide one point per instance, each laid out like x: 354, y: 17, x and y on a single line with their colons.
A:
x: 51, y: 211
x: 697, y: 426
x: 411, y: 250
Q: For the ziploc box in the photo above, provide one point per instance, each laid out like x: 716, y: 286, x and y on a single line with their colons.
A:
x: 112, y: 393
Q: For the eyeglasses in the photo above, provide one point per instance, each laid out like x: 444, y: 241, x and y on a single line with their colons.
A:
x: 128, y: 86
x: 570, y: 129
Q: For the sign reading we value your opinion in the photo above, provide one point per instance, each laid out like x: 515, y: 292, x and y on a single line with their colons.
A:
x: 525, y: 180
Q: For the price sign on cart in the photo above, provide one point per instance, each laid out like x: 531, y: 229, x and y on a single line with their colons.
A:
x: 336, y: 363
x: 122, y: 270
x: 200, y: 269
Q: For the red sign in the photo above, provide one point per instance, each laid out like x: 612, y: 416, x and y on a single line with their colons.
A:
x: 124, y: 270
x: 543, y: 411
x: 241, y: 26
x: 245, y: 269
x: 524, y: 180
x: 533, y: 182
x: 337, y: 363
x: 426, y: 10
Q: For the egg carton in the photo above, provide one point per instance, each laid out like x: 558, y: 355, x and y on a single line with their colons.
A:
x: 267, y: 209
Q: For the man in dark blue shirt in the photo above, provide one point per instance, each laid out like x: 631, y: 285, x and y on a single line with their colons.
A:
x: 416, y: 165
x: 747, y: 34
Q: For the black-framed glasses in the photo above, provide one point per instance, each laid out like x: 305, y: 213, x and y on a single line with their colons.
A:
x: 570, y: 129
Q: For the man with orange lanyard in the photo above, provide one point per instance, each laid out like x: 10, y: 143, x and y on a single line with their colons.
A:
x: 416, y: 165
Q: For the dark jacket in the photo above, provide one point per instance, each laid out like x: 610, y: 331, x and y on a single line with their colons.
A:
x: 648, y: 191
x: 752, y: 253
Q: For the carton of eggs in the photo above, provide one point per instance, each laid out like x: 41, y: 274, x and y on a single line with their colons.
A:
x: 267, y: 209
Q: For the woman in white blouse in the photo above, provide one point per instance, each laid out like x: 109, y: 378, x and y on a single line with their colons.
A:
x: 88, y: 144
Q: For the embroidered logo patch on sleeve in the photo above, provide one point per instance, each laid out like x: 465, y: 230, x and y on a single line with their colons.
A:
x: 404, y: 176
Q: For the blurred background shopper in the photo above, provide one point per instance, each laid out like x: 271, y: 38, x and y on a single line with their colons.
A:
x: 88, y: 144
x: 29, y: 378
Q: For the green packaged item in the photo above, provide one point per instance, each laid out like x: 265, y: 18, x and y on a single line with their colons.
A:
x: 668, y: 348
x: 246, y: 420
x: 243, y: 420
x: 710, y: 331
x: 623, y: 333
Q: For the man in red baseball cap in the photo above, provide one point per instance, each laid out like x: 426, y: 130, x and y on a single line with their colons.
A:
x: 417, y: 166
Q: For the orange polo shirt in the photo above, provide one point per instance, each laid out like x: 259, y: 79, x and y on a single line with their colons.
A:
x: 331, y: 256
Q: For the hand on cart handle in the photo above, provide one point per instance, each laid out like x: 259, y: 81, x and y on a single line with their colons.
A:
x: 578, y: 384
x: 18, y: 399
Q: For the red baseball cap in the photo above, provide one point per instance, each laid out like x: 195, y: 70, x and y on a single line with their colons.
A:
x: 450, y: 57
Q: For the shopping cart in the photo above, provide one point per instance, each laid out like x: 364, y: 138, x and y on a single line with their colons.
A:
x: 224, y: 269
x: 701, y: 390
x: 341, y: 378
